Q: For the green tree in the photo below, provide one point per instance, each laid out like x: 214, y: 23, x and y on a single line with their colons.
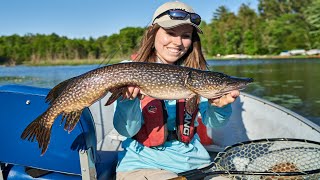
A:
x: 272, y: 9
x: 285, y: 33
x: 249, y: 22
x: 226, y: 33
x: 129, y: 39
x: 313, y: 19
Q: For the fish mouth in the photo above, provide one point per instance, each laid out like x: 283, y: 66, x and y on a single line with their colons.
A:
x: 239, y: 83
x: 220, y: 94
x: 236, y: 86
x: 243, y: 85
x: 243, y: 80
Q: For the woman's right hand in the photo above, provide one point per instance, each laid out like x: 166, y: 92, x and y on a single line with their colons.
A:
x: 131, y: 92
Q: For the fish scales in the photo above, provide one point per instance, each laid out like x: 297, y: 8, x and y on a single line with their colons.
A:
x: 161, y: 81
x: 152, y: 80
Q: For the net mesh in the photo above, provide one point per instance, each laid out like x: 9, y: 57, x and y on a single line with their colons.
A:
x: 271, y: 159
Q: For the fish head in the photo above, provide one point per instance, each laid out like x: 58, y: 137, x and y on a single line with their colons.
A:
x: 210, y: 84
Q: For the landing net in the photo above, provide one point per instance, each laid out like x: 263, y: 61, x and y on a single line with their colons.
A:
x: 270, y: 159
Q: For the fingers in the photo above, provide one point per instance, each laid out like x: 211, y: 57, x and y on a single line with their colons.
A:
x: 131, y: 92
x: 235, y: 93
x: 219, y: 102
x: 225, y: 99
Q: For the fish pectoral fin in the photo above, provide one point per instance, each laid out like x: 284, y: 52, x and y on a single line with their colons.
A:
x: 116, y: 93
x: 57, y: 90
x: 192, y: 104
x: 72, y: 118
x: 113, y: 98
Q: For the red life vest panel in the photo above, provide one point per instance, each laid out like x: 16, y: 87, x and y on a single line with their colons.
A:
x: 204, y: 133
x: 154, y: 131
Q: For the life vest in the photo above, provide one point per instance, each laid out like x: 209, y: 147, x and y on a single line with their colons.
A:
x: 154, y: 131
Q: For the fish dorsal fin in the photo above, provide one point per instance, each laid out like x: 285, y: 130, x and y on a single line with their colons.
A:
x: 57, y: 90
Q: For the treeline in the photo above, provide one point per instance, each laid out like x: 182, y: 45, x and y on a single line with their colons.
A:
x: 33, y: 48
x: 277, y: 26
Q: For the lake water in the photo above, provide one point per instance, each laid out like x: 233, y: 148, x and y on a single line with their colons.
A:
x: 292, y: 83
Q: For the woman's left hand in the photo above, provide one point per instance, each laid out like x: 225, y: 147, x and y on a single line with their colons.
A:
x: 225, y: 99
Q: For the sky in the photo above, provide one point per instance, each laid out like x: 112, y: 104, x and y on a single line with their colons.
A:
x: 92, y: 18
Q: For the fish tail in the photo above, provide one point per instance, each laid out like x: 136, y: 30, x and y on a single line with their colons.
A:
x: 39, y: 130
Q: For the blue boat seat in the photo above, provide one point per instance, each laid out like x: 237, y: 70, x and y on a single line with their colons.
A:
x: 20, y: 106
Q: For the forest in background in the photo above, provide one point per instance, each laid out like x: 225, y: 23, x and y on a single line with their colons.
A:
x: 277, y: 26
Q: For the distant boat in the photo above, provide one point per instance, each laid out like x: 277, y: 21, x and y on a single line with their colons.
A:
x: 90, y: 150
x: 313, y: 52
x: 295, y: 52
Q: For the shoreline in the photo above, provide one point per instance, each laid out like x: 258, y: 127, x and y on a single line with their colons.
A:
x: 78, y: 62
x: 262, y: 57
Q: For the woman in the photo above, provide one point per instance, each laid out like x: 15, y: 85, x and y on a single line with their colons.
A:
x: 156, y: 147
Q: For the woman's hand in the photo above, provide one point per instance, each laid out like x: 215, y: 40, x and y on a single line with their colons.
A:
x: 225, y: 99
x: 131, y: 92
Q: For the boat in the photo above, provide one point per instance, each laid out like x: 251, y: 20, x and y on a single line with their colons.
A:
x: 90, y: 150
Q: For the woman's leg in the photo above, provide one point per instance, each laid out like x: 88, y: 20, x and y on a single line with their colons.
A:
x: 143, y: 174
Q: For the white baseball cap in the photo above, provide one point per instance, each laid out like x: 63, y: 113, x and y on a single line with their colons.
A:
x: 164, y: 20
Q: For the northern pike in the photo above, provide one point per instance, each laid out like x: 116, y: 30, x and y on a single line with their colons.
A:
x: 160, y: 81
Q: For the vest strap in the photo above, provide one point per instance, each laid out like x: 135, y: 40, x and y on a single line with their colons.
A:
x: 185, y: 122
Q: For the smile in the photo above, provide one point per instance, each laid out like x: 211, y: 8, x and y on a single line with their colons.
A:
x: 174, y: 50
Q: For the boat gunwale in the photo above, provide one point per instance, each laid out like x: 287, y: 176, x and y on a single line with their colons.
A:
x: 289, y: 112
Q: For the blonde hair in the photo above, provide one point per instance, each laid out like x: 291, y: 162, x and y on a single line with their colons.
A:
x: 193, y: 57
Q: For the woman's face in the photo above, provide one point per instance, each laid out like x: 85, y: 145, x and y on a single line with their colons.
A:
x: 172, y: 44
